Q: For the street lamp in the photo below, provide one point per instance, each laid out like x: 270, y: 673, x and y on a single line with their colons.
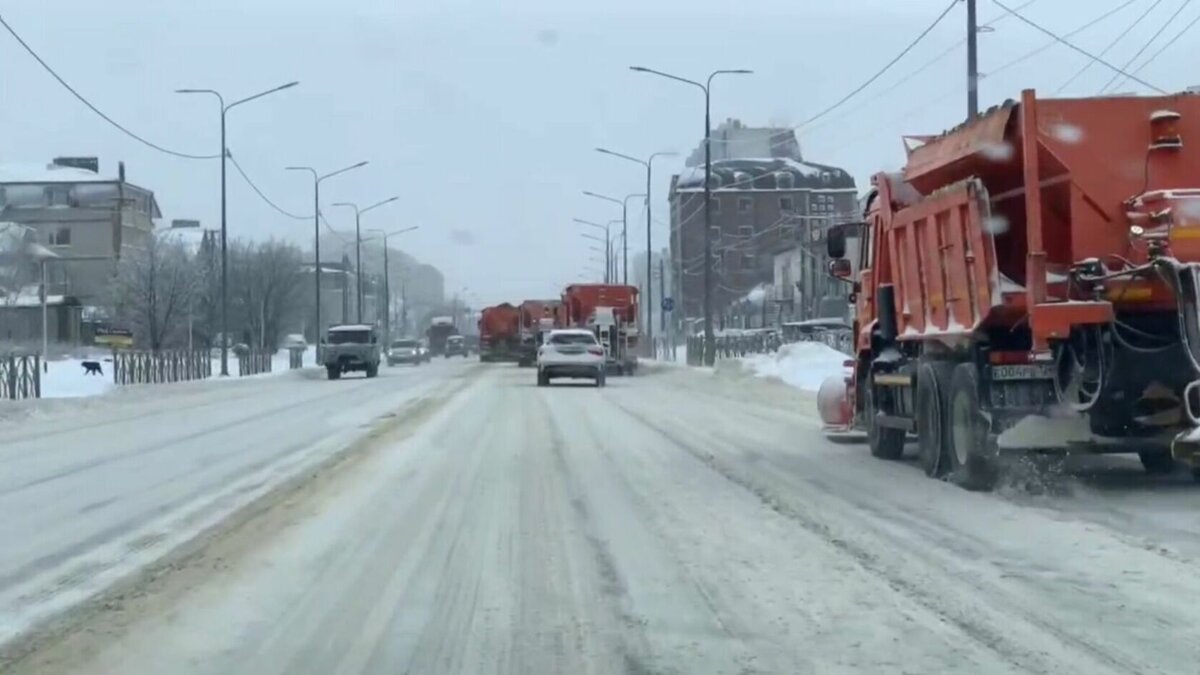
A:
x: 649, y: 301
x: 710, y: 345
x: 317, y: 178
x: 387, y: 285
x: 609, y: 273
x: 224, y: 249
x: 624, y: 227
x: 358, y: 291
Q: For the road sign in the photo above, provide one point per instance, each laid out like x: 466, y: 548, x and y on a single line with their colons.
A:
x: 668, y: 304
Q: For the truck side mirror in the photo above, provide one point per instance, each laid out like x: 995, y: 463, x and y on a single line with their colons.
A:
x: 835, y: 242
x: 839, y: 268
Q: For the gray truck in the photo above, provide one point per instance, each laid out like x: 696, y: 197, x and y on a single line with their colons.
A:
x: 351, y: 347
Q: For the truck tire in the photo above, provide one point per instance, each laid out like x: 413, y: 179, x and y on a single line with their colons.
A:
x: 1157, y: 462
x: 372, y: 371
x: 542, y: 380
x: 600, y: 379
x: 333, y: 372
x: 971, y: 456
x: 885, y: 443
x: 933, y: 388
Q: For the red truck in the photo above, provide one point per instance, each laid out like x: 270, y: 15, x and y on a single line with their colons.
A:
x: 611, y: 311
x: 537, y: 318
x: 499, y: 333
x: 1030, y: 280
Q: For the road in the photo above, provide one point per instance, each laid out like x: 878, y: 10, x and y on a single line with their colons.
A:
x: 676, y: 522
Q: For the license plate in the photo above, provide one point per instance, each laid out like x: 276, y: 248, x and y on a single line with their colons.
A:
x: 1029, y: 371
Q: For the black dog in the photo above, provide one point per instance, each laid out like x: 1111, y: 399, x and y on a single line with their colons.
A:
x: 92, y: 368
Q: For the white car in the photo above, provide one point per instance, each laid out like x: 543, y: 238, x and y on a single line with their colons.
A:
x: 573, y: 353
x: 294, y: 341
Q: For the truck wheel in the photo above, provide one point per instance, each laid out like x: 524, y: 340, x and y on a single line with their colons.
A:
x: 543, y: 380
x: 333, y: 372
x: 885, y: 443
x: 1158, y: 462
x: 972, y: 459
x: 600, y: 379
x: 933, y: 386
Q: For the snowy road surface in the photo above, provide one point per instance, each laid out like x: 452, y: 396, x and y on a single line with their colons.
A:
x: 670, y: 523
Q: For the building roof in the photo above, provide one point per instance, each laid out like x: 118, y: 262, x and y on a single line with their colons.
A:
x: 50, y: 173
x: 766, y: 173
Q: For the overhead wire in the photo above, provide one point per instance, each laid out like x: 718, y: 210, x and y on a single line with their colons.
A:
x: 259, y: 192
x: 1115, y: 82
x: 884, y: 69
x: 82, y: 99
x: 1120, y: 36
x: 1168, y: 44
x: 1077, y: 48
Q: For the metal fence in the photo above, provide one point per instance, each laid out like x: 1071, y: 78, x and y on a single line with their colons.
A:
x: 20, y: 376
x: 734, y: 346
x: 253, y: 363
x: 148, y: 367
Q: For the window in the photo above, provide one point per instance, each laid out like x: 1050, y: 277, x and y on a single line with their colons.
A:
x: 746, y: 230
x: 572, y: 339
x: 785, y: 204
x: 784, y: 180
x: 748, y: 261
x: 715, y: 232
x: 716, y: 205
x: 745, y: 205
x: 58, y: 195
x: 61, y: 237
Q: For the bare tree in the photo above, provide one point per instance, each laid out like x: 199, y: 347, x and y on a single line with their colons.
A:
x: 156, y: 289
x: 265, y: 289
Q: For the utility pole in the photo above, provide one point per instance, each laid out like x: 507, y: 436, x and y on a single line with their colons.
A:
x: 972, y: 63
x: 662, y: 295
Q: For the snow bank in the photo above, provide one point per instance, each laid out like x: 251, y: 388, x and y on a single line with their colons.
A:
x: 65, y: 379
x: 803, y: 365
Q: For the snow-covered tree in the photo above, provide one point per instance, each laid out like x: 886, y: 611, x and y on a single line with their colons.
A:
x: 265, y: 291
x: 156, y: 290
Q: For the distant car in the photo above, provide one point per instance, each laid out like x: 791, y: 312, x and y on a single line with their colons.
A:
x: 456, y: 345
x: 294, y: 341
x: 406, y: 351
x: 573, y: 353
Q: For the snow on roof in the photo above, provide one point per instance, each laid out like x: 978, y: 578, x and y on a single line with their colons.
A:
x: 744, y: 171
x: 49, y: 173
x: 350, y: 327
x: 28, y: 296
x: 190, y: 237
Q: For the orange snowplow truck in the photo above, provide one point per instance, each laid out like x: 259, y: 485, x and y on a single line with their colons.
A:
x: 1030, y: 280
x: 611, y: 312
x: 499, y: 333
x: 538, y: 317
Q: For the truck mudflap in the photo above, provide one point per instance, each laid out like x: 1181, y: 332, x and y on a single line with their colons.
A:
x: 1185, y: 447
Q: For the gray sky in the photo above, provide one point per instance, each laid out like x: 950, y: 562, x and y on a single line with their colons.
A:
x: 482, y: 116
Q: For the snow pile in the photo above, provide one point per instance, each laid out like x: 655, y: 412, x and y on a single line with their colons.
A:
x: 803, y: 365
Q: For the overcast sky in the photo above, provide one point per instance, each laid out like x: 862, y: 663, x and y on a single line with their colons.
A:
x: 482, y: 116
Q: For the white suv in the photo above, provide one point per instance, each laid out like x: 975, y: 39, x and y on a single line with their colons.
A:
x: 573, y: 353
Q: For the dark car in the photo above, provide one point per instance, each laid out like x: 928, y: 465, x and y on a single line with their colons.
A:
x: 456, y: 345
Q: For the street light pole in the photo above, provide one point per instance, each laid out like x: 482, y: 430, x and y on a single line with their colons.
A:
x: 317, y: 178
x: 649, y: 300
x: 710, y: 345
x: 624, y: 228
x: 358, y: 290
x: 387, y: 281
x: 224, y: 227
x: 608, y: 254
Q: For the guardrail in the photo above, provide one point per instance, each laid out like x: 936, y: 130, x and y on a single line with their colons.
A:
x: 20, y: 376
x: 254, y: 363
x: 148, y: 367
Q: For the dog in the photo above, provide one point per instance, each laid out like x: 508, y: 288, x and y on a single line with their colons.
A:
x: 92, y: 368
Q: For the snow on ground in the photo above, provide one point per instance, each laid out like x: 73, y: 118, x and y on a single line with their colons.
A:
x: 803, y: 365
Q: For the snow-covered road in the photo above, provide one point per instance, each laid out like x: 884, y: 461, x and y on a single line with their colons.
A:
x: 674, y: 522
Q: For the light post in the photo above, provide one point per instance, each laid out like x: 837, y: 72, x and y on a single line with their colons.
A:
x: 224, y: 248
x: 358, y: 287
x: 609, y: 273
x: 709, y: 348
x: 649, y: 300
x: 624, y: 228
x: 317, y: 178
x: 387, y: 281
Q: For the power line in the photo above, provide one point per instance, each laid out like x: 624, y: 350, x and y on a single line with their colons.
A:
x: 260, y: 193
x: 1077, y: 48
x: 885, y: 68
x: 1170, y: 42
x: 1110, y: 45
x: 88, y: 103
x: 1145, y: 46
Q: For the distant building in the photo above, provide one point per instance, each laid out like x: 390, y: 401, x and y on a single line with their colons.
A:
x: 87, y: 218
x: 760, y: 206
x: 734, y: 140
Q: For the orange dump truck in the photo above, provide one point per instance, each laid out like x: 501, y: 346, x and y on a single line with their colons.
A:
x: 1030, y: 281
x: 610, y: 311
x: 499, y: 333
x: 538, y: 317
